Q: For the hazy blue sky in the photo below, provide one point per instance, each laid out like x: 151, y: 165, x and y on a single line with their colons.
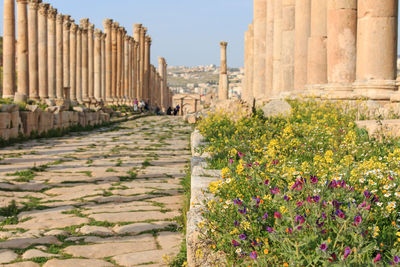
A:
x: 185, y: 32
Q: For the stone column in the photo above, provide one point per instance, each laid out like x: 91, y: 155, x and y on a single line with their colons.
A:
x: 147, y: 92
x: 97, y: 65
x: 79, y: 65
x: 107, y: 24
x: 126, y: 67
x: 118, y: 77
x: 288, y: 42
x: 248, y: 87
x: 341, y: 48
x: 91, y: 62
x: 317, y: 54
x: 277, y: 68
x: 51, y: 51
x: 22, y: 52
x: 137, y: 55
x: 302, y: 29
x: 42, y: 37
x: 59, y: 58
x: 142, y: 63
x: 115, y: 27
x: 376, y: 50
x: 223, y: 89
x: 136, y: 70
x: 67, y: 26
x: 85, y: 61
x: 9, y: 49
x: 33, y: 49
x: 103, y: 67
x: 269, y: 53
x: 260, y: 29
x: 161, y: 62
x: 72, y: 65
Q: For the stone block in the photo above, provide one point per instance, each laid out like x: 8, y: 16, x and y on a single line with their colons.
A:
x: 5, y: 134
x: 9, y: 108
x: 5, y: 120
x: 277, y: 108
x: 46, y: 122
x: 82, y: 119
x: 30, y: 121
x: 16, y: 121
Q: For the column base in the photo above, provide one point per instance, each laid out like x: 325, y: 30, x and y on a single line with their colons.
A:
x: 314, y: 90
x: 375, y: 89
x: 20, y: 98
x: 338, y: 91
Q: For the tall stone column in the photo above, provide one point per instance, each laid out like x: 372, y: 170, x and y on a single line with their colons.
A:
x: 288, y: 43
x: 107, y: 24
x: 248, y: 88
x: 72, y: 65
x: 147, y: 89
x: 223, y: 89
x: 9, y: 49
x: 269, y: 52
x: 317, y: 53
x: 114, y: 57
x: 131, y: 62
x: 137, y: 55
x: 51, y: 51
x: 376, y: 49
x: 341, y: 48
x: 136, y: 70
x: 66, y: 62
x: 118, y: 77
x: 59, y: 57
x: 33, y: 49
x: 79, y: 65
x: 277, y: 66
x: 22, y: 51
x: 142, y: 63
x: 85, y: 61
x: 103, y: 67
x: 302, y: 29
x: 161, y: 62
x: 260, y: 29
x: 91, y: 62
x: 42, y: 37
x: 97, y: 65
x: 126, y: 67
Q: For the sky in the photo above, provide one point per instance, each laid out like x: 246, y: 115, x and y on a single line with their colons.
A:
x: 185, y: 32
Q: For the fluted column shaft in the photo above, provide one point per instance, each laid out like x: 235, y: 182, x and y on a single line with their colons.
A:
x: 137, y: 53
x: 79, y: 65
x: 317, y: 57
x: 72, y: 65
x: 85, y: 60
x: 51, y: 51
x: 107, y: 24
x: 288, y: 44
x: 277, y: 66
x: 97, y: 65
x: 260, y: 25
x: 248, y: 95
x: 269, y: 47
x: 147, y: 89
x: 114, y: 56
x: 66, y: 61
x: 302, y: 29
x: 126, y: 67
x: 22, y: 48
x: 59, y: 57
x: 91, y: 80
x: 9, y: 49
x: 376, y: 49
x: 103, y: 67
x: 42, y: 37
x: 119, y: 57
x: 142, y: 63
x: 223, y: 91
x: 33, y: 49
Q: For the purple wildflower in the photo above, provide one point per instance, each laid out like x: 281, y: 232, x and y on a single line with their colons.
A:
x: 285, y: 197
x: 242, y: 236
x: 243, y: 211
x: 347, y: 252
x: 357, y: 220
x: 317, y: 198
x: 314, y: 179
x: 235, y: 243
x: 236, y: 223
x: 265, y: 216
x: 253, y: 255
x: 266, y: 182
x: 299, y: 219
x: 240, y: 154
x: 396, y: 259
x: 323, y: 247
x: 275, y: 191
x: 270, y: 230
x: 230, y: 161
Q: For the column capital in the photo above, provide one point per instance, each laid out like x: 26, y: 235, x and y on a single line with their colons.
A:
x: 144, y: 29
x: 91, y: 27
x: 98, y: 33
x: 137, y: 27
x: 115, y: 25
x: 74, y: 27
x: 22, y: 2
x: 84, y: 24
x: 67, y: 23
x: 148, y: 40
x: 34, y: 4
x: 52, y: 13
x: 223, y: 44
x: 103, y: 36
x: 43, y: 7
x: 127, y: 38
x: 107, y: 23
x: 59, y: 18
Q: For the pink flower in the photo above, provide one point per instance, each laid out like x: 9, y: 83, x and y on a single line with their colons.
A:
x: 347, y: 252
x: 377, y: 258
x: 277, y: 215
x: 253, y: 255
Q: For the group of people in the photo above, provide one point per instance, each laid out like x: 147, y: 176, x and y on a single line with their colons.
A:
x: 142, y: 106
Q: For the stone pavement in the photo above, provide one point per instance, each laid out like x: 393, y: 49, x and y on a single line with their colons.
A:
x: 104, y: 198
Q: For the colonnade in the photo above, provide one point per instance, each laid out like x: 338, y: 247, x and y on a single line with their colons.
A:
x: 333, y: 49
x: 52, y: 57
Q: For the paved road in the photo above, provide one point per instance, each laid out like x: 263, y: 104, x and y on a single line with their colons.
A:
x: 102, y: 198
